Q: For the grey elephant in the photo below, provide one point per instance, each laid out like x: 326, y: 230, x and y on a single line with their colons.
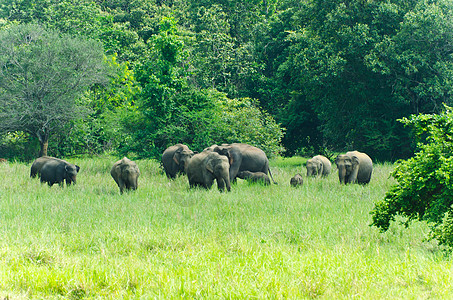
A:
x: 296, y: 180
x: 175, y: 159
x: 206, y: 166
x: 39, y: 163
x: 57, y: 171
x: 318, y: 166
x: 354, y: 167
x: 259, y: 177
x: 243, y: 157
x: 125, y: 172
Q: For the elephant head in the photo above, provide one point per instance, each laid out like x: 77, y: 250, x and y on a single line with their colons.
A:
x: 182, y: 157
x: 226, y: 150
x: 71, y: 173
x: 348, y: 167
x: 130, y: 174
x: 314, y: 167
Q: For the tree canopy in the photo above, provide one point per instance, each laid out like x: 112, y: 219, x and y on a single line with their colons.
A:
x: 334, y: 75
x: 41, y: 76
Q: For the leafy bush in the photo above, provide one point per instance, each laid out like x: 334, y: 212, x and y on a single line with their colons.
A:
x: 425, y: 183
x: 18, y: 145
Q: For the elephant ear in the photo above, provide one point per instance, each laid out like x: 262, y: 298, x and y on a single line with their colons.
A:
x: 210, y: 165
x: 77, y: 168
x: 355, y: 160
x: 177, y: 156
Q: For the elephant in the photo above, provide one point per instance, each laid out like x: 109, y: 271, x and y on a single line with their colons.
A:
x: 125, y: 172
x: 318, y: 166
x: 57, y: 171
x: 259, y: 177
x: 206, y: 166
x: 243, y: 157
x: 175, y: 159
x: 296, y: 180
x: 39, y: 163
x: 354, y: 167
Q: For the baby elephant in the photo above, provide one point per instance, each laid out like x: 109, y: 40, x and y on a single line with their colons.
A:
x: 296, y: 181
x: 125, y: 172
x: 255, y: 177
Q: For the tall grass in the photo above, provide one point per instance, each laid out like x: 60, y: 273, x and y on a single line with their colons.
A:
x: 167, y: 241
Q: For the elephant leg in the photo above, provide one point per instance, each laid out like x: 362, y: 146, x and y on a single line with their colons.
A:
x: 234, y: 170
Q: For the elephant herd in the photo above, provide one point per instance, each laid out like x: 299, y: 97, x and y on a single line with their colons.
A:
x: 222, y: 163
x: 227, y: 162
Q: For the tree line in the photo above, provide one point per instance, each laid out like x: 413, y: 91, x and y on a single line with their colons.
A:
x: 292, y: 77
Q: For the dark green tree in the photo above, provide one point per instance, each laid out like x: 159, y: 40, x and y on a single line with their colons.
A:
x: 42, y: 75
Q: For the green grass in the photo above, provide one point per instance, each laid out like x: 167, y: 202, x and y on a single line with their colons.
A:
x: 166, y: 241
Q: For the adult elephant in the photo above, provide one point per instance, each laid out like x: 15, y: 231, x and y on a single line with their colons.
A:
x: 39, y: 163
x: 175, y: 159
x: 125, y: 172
x: 58, y: 171
x: 244, y: 157
x: 206, y: 166
x: 318, y: 166
x: 354, y: 167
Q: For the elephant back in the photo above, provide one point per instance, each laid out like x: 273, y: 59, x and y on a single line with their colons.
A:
x: 253, y: 159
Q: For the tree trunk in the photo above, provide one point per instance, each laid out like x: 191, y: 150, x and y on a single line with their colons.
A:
x: 44, y: 143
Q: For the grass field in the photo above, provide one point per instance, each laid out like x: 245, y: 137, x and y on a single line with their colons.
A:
x: 165, y: 241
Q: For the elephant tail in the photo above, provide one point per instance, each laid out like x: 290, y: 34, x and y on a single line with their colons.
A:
x: 272, y: 176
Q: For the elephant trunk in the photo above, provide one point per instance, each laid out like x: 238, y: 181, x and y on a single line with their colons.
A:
x: 224, y: 180
x: 134, y: 182
x: 342, y: 174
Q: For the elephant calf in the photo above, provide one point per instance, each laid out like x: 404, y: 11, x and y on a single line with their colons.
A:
x: 56, y: 170
x: 296, y: 180
x: 259, y: 177
x: 125, y: 172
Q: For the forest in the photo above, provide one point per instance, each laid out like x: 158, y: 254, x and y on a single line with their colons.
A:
x: 291, y: 77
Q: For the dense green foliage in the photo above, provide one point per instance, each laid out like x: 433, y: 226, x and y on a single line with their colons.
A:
x: 336, y: 75
x: 424, y: 189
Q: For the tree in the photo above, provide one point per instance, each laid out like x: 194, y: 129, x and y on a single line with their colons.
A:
x: 171, y: 110
x: 42, y: 74
x: 424, y: 189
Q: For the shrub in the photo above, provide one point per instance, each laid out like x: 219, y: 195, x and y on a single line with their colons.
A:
x: 424, y: 189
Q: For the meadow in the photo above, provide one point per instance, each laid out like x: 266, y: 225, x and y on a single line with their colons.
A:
x: 165, y: 241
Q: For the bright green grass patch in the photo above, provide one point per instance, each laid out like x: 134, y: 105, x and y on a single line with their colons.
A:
x: 166, y: 241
